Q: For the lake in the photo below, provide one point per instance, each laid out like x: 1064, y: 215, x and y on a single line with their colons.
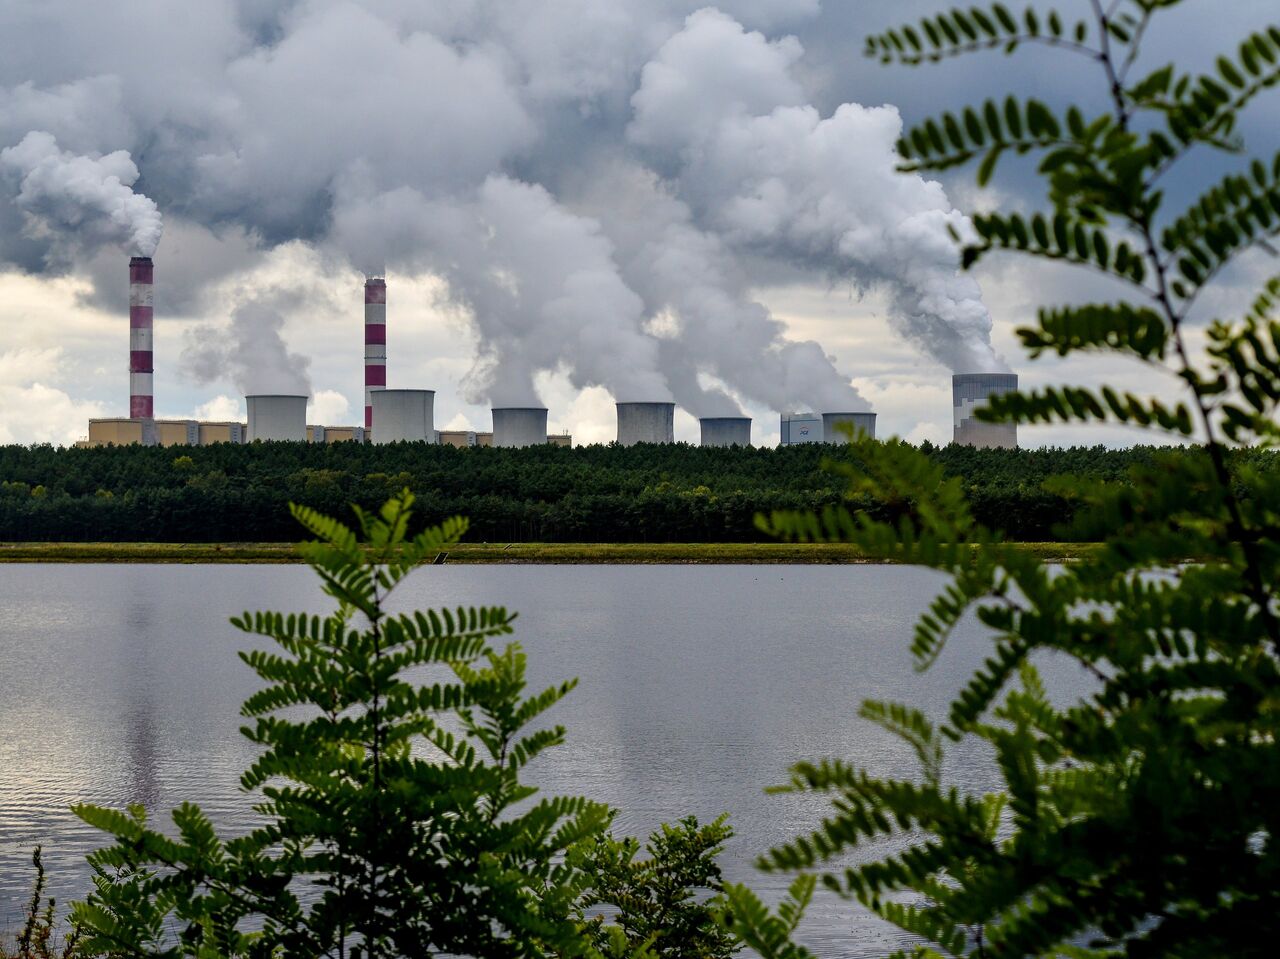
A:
x: 699, y: 686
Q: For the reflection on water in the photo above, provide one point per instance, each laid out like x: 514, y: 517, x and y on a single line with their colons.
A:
x: 699, y: 686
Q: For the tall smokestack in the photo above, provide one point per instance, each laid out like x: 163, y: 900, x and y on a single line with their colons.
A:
x: 375, y: 342
x: 141, y: 397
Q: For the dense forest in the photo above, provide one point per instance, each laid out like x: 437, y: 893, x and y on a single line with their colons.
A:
x: 679, y: 493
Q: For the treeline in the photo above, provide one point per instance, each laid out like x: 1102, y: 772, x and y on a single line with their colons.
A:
x: 680, y: 493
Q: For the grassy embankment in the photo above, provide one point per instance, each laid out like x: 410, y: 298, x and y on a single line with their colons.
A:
x: 799, y: 553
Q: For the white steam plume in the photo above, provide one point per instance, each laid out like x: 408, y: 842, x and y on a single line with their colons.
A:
x: 85, y: 199
x: 699, y: 304
x: 250, y: 351
x: 539, y: 282
x: 719, y: 106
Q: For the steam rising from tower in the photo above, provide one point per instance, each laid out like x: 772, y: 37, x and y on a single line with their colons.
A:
x: 375, y: 342
x: 141, y: 396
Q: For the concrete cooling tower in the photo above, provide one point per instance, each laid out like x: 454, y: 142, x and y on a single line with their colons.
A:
x: 726, y: 430
x: 969, y: 392
x: 646, y: 423
x: 277, y: 417
x: 403, y: 415
x: 519, y: 426
x: 861, y: 422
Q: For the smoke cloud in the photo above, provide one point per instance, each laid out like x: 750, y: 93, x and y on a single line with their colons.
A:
x: 250, y: 351
x: 774, y: 178
x: 539, y: 281
x: 699, y: 304
x: 85, y: 201
x: 599, y: 182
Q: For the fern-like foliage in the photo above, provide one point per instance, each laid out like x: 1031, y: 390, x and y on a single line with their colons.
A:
x: 1142, y: 820
x: 666, y: 904
x: 394, y: 818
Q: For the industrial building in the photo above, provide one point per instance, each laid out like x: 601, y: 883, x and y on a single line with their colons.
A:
x: 407, y: 415
x: 725, y: 430
x: 800, y: 428
x: 516, y: 426
x: 335, y: 434
x: 375, y: 342
x: 404, y: 416
x: 864, y: 423
x: 277, y: 417
x: 141, y: 321
x: 969, y: 393
x: 646, y: 423
x: 795, y: 428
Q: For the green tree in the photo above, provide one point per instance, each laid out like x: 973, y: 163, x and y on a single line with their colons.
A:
x: 395, y: 822
x: 1142, y: 820
x: 665, y: 904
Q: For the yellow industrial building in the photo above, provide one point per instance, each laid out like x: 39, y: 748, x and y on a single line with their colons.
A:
x: 121, y: 431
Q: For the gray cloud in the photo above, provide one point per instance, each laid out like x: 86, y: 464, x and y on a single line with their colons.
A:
x: 772, y: 175
x: 600, y: 182
x: 249, y: 351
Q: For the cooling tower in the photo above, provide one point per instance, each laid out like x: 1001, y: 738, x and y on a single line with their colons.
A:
x: 646, y: 423
x: 519, y: 426
x: 277, y: 417
x: 141, y: 395
x: 969, y: 392
x: 861, y: 422
x: 375, y: 342
x: 726, y: 430
x: 404, y: 415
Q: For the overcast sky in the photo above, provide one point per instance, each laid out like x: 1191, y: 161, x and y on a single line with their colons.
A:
x: 573, y: 201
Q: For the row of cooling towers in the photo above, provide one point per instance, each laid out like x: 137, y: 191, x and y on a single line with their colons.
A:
x: 407, y: 415
x: 394, y: 415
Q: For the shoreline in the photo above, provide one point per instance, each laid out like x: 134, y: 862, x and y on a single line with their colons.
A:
x: 799, y: 554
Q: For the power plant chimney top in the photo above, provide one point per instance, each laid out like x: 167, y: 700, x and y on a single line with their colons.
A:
x: 141, y: 270
x: 520, y: 409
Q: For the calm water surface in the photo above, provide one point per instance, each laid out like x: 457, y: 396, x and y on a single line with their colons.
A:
x: 699, y: 686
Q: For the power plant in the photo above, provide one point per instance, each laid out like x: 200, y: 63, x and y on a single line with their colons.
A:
x: 407, y: 415
x: 725, y: 430
x: 646, y: 423
x: 800, y: 428
x: 796, y: 428
x: 403, y: 416
x: 515, y: 426
x: 969, y: 392
x: 141, y: 373
x: 864, y: 423
x: 375, y: 342
x: 277, y: 417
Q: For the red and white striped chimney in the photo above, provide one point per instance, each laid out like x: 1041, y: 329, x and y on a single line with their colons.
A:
x: 141, y: 399
x: 375, y: 342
